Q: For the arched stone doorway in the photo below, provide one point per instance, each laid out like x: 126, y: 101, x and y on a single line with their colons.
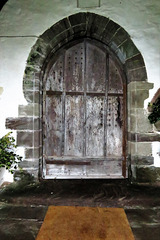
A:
x: 129, y: 62
x: 84, y: 122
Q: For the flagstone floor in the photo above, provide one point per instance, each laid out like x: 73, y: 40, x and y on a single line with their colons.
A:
x: 23, y: 206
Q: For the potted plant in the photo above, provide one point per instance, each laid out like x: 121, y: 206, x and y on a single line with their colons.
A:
x: 154, y: 116
x: 8, y: 158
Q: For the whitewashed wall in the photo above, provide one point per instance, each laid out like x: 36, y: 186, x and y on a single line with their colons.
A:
x: 21, y: 22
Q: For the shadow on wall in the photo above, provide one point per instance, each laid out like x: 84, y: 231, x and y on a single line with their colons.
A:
x: 1, y: 90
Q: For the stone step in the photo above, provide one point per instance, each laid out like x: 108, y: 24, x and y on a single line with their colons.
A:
x: 22, y: 212
x: 11, y: 229
x: 21, y: 222
x: 139, y: 217
x: 146, y: 232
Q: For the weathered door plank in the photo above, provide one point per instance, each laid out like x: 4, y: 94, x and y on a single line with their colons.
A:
x: 74, y: 111
x: 95, y: 169
x: 53, y: 126
x: 95, y: 126
x: 95, y: 68
x: 74, y: 68
x: 114, y: 126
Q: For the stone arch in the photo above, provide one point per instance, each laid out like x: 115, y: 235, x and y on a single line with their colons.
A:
x: 77, y: 26
x: 82, y: 25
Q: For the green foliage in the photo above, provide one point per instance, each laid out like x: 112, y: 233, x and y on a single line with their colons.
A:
x: 8, y: 158
x: 155, y: 114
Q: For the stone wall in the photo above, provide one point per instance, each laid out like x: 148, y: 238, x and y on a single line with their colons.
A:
x: 140, y: 131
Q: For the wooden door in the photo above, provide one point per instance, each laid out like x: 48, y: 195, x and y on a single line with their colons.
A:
x: 83, y: 115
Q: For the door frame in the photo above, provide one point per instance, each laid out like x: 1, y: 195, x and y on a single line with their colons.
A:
x: 53, y: 57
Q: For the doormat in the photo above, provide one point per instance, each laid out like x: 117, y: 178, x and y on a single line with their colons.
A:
x: 85, y: 223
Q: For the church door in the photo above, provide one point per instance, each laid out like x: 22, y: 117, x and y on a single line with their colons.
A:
x: 84, y: 114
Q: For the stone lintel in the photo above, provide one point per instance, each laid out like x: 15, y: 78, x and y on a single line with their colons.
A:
x: 143, y: 137
x: 141, y: 160
x: 141, y: 85
x: 23, y: 123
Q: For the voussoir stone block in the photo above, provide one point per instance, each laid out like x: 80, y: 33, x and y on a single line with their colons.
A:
x: 135, y: 62
x: 138, y: 74
x: 79, y: 28
x: 60, y: 40
x: 78, y: 18
x: 60, y: 27
x: 96, y: 25
x: 128, y: 49
x: 109, y: 31
x: 42, y: 47
x: 120, y: 37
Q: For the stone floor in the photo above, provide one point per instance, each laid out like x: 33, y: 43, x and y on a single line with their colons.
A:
x: 24, y: 205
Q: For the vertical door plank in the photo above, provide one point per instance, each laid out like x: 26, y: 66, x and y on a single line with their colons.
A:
x: 95, y: 68
x: 114, y: 126
x: 55, y: 77
x: 74, y: 111
x: 115, y: 79
x: 74, y: 68
x: 94, y: 126
x: 53, y: 126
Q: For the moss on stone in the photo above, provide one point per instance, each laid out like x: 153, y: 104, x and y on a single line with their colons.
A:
x: 147, y: 174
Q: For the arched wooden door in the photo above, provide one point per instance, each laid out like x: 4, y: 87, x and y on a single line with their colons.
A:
x: 84, y: 114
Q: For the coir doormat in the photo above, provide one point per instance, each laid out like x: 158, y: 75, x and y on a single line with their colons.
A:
x: 85, y: 223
